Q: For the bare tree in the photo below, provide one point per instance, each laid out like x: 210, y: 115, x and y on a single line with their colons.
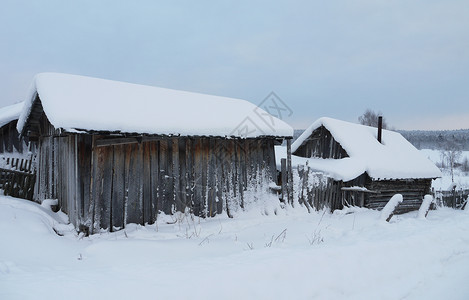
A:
x: 452, y: 155
x: 370, y: 118
x: 465, y: 164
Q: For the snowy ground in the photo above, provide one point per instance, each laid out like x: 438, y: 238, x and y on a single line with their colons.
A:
x: 293, y: 255
x: 460, y: 178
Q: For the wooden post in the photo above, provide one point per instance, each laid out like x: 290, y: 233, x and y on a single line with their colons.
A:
x: 380, y: 128
x: 290, y: 173
x: 283, y: 171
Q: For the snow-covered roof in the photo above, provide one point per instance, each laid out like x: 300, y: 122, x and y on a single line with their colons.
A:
x: 73, y: 102
x: 394, y: 158
x: 10, y: 113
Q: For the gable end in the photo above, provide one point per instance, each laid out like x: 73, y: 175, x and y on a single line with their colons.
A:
x: 321, y: 144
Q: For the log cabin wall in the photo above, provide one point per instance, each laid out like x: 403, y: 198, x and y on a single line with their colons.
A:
x: 322, y: 144
x: 412, y: 190
x: 104, y: 182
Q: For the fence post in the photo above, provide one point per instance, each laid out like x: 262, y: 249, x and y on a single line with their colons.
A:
x: 290, y: 173
x: 283, y: 172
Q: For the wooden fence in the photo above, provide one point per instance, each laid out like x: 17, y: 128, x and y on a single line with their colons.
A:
x: 17, y: 177
x: 454, y: 198
x: 315, y: 190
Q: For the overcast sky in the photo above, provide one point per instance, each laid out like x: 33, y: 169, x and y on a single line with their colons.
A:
x: 407, y: 59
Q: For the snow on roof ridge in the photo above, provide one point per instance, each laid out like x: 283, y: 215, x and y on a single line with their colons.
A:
x: 10, y: 113
x: 79, y: 102
x: 394, y: 158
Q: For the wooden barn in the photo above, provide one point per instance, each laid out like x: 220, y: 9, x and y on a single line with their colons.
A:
x: 115, y: 153
x: 10, y: 140
x: 368, y: 165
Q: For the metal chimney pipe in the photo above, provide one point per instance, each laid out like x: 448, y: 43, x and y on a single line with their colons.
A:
x: 380, y: 128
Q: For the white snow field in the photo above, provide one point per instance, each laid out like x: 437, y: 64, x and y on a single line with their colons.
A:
x: 351, y: 254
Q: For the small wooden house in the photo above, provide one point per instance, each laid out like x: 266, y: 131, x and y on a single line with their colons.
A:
x: 367, y: 171
x: 115, y: 153
x: 10, y: 140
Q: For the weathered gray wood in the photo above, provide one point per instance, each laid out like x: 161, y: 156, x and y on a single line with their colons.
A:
x: 118, y: 191
x: 183, y: 183
x: 169, y: 195
x: 290, y: 174
x: 105, y: 196
x: 163, y: 201
x: 154, y: 173
x: 189, y: 160
x: 127, y: 174
x: 211, y: 180
x: 97, y: 186
x: 175, y: 166
x: 219, y: 154
x: 283, y: 172
x: 84, y: 177
x: 146, y: 184
x: 198, y: 199
x: 135, y: 200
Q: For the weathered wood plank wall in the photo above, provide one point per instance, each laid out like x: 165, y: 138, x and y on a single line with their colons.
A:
x: 322, y: 144
x: 413, y: 191
x: 121, y: 181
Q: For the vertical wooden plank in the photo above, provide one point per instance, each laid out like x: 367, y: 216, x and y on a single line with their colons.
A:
x: 289, y: 173
x: 177, y: 203
x: 204, y: 162
x: 97, y: 187
x: 127, y: 166
x: 163, y: 152
x: 239, y: 171
x: 283, y: 172
x: 68, y: 187
x: 84, y: 175
x: 234, y: 174
x: 169, y: 179
x: 219, y: 160
x: 54, y: 161
x: 189, y: 172
x: 271, y: 160
x: 43, y: 168
x: 211, y: 178
x: 147, y: 195
x: 118, y: 188
x: 154, y: 174
x: 106, y: 165
x: 228, y: 172
x: 182, y: 172
x: 198, y: 192
x: 134, y: 200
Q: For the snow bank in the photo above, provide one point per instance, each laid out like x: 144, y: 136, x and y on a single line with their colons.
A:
x: 394, y: 158
x: 250, y: 257
x: 74, y: 102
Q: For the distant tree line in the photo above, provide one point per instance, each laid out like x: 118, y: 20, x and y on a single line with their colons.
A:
x: 438, y: 139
